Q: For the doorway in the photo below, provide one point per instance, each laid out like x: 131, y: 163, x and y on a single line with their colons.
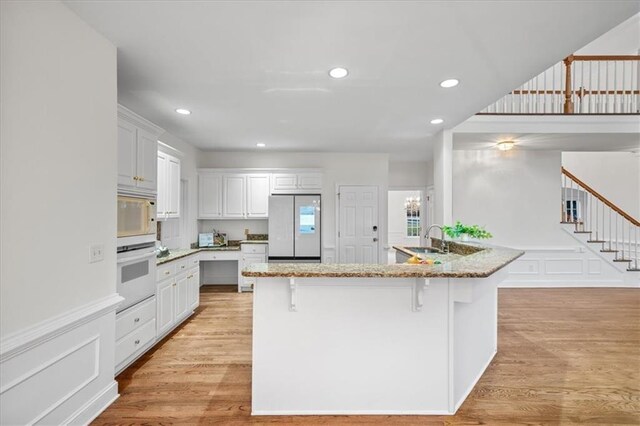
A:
x: 358, y: 229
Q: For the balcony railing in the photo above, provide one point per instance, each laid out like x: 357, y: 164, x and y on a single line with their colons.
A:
x: 578, y: 85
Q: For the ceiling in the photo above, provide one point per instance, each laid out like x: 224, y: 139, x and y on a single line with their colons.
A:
x: 550, y: 141
x: 256, y: 71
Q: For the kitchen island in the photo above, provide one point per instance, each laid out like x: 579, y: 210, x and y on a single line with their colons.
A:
x: 374, y: 339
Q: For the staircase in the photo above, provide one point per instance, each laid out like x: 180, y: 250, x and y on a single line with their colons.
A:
x: 599, y: 224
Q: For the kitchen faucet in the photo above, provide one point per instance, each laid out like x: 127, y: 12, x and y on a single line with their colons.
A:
x: 443, y: 247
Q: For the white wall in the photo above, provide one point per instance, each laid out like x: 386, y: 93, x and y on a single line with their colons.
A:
x: 235, y: 228
x: 338, y: 168
x: 172, y: 234
x: 615, y: 175
x: 410, y: 174
x: 59, y: 97
x: 516, y: 196
x: 57, y: 198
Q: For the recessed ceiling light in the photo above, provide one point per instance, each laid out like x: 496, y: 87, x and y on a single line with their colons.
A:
x: 261, y: 145
x: 452, y: 82
x: 183, y: 111
x: 437, y: 121
x: 505, y: 145
x: 338, y: 72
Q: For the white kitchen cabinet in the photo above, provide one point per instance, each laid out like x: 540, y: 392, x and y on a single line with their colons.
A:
x: 296, y: 183
x: 165, y: 306
x: 209, y: 195
x: 168, y: 201
x: 137, y: 153
x: 233, y: 196
x: 127, y: 154
x: 193, y: 289
x: 181, y: 296
x: 135, y: 332
x: 250, y: 254
x: 178, y: 292
x: 257, y: 195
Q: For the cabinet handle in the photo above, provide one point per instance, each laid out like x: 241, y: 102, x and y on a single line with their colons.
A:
x: 167, y: 272
x: 141, y: 179
x: 137, y: 342
x: 174, y: 284
x: 136, y: 178
x: 182, y: 267
x: 190, y: 276
x: 136, y: 320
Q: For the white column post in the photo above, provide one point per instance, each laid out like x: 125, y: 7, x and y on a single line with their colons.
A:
x: 443, y: 177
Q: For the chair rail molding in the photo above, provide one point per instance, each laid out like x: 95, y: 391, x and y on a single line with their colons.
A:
x: 61, y: 371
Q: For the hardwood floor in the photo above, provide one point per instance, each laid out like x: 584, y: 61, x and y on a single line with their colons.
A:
x: 566, y: 356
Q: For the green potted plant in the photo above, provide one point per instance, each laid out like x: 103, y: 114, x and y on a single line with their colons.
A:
x: 464, y: 232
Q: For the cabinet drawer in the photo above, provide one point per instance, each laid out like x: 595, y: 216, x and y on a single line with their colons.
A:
x: 254, y: 248
x: 135, y: 317
x: 219, y: 255
x: 182, y: 265
x: 166, y: 271
x: 134, y: 341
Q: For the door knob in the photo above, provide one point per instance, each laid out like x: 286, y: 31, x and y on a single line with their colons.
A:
x: 375, y: 239
x: 375, y: 228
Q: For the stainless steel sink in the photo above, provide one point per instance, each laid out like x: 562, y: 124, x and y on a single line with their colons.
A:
x: 422, y: 250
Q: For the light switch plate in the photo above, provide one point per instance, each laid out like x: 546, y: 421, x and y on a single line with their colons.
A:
x: 96, y: 253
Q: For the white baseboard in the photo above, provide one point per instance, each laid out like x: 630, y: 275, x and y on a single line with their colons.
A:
x: 60, y: 371
x: 92, y: 409
x: 351, y: 413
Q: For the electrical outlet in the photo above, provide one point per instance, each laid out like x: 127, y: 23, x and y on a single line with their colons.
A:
x: 246, y: 231
x: 96, y: 253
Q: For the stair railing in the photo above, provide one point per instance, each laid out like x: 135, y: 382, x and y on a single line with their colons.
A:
x: 606, y: 223
x: 580, y: 84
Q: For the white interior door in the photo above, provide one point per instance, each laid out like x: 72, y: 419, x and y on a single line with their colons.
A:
x: 358, y: 231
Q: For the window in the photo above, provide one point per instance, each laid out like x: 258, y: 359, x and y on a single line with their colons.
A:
x: 412, y: 207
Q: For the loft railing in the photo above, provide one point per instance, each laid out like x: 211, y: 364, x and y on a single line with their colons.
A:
x: 578, y: 85
x: 606, y: 223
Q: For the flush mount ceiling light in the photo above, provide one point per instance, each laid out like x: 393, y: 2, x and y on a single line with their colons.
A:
x: 452, y: 82
x: 505, y: 145
x: 338, y: 72
x: 261, y: 145
x: 183, y: 111
x: 437, y: 121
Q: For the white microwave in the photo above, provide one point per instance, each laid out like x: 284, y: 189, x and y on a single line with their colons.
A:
x: 136, y: 220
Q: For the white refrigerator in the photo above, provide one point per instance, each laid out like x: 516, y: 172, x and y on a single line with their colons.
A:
x: 294, y: 228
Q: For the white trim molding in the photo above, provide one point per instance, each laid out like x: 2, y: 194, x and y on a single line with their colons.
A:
x: 61, y: 371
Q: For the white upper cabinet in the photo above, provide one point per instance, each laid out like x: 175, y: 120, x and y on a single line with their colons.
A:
x: 173, y: 186
x: 258, y: 195
x: 137, y: 153
x: 233, y: 195
x: 296, y: 183
x: 146, y: 163
x: 127, y: 153
x: 168, y: 186
x: 209, y: 195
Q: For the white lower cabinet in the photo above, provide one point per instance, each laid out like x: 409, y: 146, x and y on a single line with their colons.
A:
x: 135, y: 332
x: 250, y: 254
x: 178, y: 294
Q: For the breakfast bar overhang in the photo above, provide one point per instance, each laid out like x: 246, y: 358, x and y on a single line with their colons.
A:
x: 374, y: 339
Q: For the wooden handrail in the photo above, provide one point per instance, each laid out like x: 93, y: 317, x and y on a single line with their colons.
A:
x: 600, y: 197
x: 605, y: 57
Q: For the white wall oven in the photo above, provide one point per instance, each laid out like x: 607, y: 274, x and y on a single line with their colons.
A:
x: 136, y: 220
x: 136, y: 273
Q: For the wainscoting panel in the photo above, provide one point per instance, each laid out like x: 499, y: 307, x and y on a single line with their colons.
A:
x: 566, y: 267
x: 64, y: 374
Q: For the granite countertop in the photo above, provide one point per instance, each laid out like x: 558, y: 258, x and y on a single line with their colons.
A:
x: 180, y: 253
x: 483, y: 261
